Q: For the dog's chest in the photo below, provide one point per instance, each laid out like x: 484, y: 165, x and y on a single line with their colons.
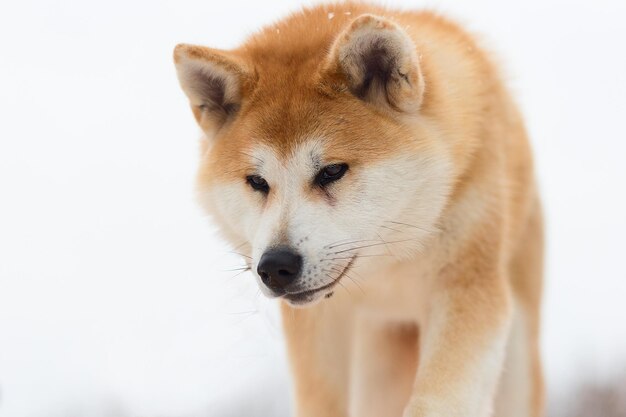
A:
x: 400, y: 292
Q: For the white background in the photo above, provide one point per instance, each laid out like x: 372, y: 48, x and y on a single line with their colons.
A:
x: 114, y: 295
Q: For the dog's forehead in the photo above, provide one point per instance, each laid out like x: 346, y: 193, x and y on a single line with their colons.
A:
x: 284, y: 117
x: 302, y: 158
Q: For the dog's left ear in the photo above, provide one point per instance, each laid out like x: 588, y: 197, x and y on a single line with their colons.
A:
x: 215, y: 82
x: 376, y: 60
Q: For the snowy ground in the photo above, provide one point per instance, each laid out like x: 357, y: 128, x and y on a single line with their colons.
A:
x: 114, y: 295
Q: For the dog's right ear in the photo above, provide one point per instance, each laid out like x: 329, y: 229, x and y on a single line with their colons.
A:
x: 377, y: 61
x: 215, y: 82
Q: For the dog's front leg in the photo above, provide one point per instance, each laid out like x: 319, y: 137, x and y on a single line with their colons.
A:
x: 318, y: 343
x: 462, y: 348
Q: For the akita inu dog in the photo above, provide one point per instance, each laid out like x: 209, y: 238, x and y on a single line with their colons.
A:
x: 375, y: 173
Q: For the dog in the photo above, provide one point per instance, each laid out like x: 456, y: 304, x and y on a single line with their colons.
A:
x: 375, y: 173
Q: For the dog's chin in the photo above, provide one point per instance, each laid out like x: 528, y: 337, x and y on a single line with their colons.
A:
x: 307, y: 298
x: 311, y: 297
x: 304, y: 298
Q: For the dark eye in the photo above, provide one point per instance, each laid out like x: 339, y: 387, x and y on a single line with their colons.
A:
x: 258, y: 183
x: 330, y: 173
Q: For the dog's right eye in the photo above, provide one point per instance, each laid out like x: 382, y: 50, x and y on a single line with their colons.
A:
x: 258, y: 183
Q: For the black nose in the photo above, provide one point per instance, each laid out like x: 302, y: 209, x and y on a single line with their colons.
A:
x: 279, y: 267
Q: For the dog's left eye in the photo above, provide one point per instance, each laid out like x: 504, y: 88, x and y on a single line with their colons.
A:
x: 330, y: 173
x: 258, y: 183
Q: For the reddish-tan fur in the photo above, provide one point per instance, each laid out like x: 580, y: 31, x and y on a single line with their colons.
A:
x: 450, y: 308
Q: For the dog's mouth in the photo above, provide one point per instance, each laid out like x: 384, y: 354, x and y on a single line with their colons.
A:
x: 308, y: 296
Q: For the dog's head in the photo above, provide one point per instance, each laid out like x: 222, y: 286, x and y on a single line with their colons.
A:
x: 318, y: 152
